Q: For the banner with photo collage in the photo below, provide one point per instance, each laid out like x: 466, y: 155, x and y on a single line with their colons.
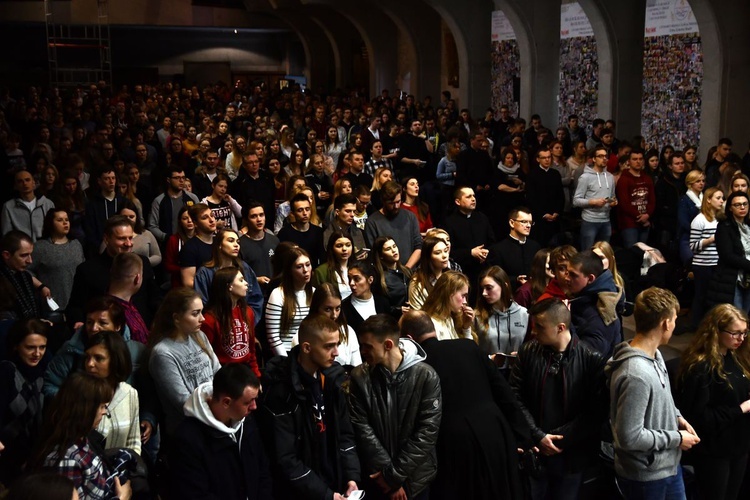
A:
x: 505, y: 65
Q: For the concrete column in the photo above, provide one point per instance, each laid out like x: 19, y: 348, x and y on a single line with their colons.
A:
x: 344, y: 39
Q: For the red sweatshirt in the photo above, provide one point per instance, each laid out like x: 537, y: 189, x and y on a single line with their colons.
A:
x: 239, y: 345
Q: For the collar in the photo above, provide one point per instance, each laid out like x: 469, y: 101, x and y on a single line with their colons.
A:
x: 520, y: 242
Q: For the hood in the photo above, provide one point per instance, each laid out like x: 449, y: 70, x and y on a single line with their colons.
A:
x: 609, y: 296
x: 514, y: 308
x: 197, y: 407
x: 624, y: 352
x: 599, y: 176
x: 413, y: 354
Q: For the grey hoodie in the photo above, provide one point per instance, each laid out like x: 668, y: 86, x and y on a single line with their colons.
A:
x: 413, y: 354
x: 643, y: 415
x: 591, y: 185
x: 513, y: 325
x: 197, y: 407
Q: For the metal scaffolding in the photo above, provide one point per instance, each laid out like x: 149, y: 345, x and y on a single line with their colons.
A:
x: 78, y: 54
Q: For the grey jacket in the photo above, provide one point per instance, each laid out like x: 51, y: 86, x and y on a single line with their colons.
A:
x: 591, y: 185
x: 16, y: 215
x: 643, y: 415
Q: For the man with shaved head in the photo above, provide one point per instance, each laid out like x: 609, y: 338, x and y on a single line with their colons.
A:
x: 305, y: 418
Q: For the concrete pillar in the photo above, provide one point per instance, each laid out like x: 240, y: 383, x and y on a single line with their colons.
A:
x: 345, y: 40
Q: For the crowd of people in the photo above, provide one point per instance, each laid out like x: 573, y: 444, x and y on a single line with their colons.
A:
x: 252, y: 293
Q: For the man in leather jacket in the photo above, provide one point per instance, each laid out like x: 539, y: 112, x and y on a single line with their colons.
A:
x: 396, y: 406
x: 305, y: 419
x: 559, y: 382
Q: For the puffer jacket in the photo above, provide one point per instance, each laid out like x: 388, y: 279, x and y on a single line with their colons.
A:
x: 286, y: 421
x: 577, y: 401
x: 594, y: 314
x: 397, y: 417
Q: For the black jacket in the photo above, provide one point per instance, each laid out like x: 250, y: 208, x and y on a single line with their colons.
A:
x: 286, y: 418
x: 465, y: 234
x: 207, y: 464
x: 513, y: 257
x: 731, y: 261
x: 575, y: 407
x: 354, y: 319
x: 397, y: 418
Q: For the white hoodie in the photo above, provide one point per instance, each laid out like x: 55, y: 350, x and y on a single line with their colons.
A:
x: 197, y: 407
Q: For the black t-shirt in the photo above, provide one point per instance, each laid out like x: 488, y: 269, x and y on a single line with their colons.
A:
x: 194, y: 253
x: 311, y: 240
x: 258, y: 253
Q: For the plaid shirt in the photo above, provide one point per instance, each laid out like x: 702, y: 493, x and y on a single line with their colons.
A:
x: 371, y: 165
x: 81, y: 465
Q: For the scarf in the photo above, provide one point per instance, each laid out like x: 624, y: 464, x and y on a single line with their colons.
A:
x: 508, y: 170
x: 696, y: 199
x: 22, y: 284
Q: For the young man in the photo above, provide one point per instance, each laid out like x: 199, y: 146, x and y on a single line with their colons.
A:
x: 305, y: 418
x: 345, y: 207
x: 252, y: 184
x: 559, y: 382
x: 125, y: 279
x: 470, y: 233
x: 165, y: 207
x: 103, y: 203
x: 25, y: 213
x: 557, y: 288
x: 475, y: 170
x: 649, y: 432
x: 515, y: 253
x: 594, y: 303
x: 197, y: 250
x: 217, y: 450
x: 401, y: 225
x: 301, y: 232
x: 545, y: 197
x: 203, y: 178
x: 478, y: 401
x: 636, y: 201
x: 258, y: 245
x: 356, y: 176
x: 595, y: 194
x: 396, y: 407
x: 21, y: 291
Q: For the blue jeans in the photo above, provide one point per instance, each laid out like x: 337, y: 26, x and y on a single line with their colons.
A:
x: 742, y: 298
x: 670, y: 488
x: 592, y: 232
x: 633, y: 235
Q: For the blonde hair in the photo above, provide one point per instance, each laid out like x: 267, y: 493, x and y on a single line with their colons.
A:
x: 437, y: 304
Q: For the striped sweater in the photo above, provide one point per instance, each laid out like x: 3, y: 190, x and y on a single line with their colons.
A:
x: 701, y: 229
x: 279, y: 341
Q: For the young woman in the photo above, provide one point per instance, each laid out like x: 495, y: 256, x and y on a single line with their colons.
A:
x: 70, y: 197
x: 327, y: 301
x: 185, y: 231
x: 64, y: 445
x: 144, y: 242
x: 342, y: 186
x: 652, y: 164
x: 363, y: 303
x: 225, y: 209
x: 446, y: 173
x: 49, y: 181
x: 296, y: 165
x: 230, y: 323
x: 225, y: 252
x: 125, y: 189
x: 510, y: 185
x: 448, y: 308
x: 391, y: 277
x: 273, y: 152
x: 665, y: 157
x: 55, y: 256
x: 690, y: 153
x: 21, y: 400
x: 320, y: 182
x: 607, y: 254
x: 410, y: 201
x: 703, y: 245
x: 181, y: 357
x: 280, y: 180
x: 287, y: 144
x: 108, y: 358
x: 382, y: 175
x: 540, y: 275
x: 729, y: 284
x: 433, y: 262
x: 740, y: 182
x: 334, y: 147
x: 335, y: 269
x: 289, y: 303
x: 688, y: 208
x: 714, y: 396
x: 560, y: 163
x: 501, y: 324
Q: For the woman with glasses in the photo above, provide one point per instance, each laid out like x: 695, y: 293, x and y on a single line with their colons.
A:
x: 714, y: 395
x: 731, y: 281
x: 688, y: 208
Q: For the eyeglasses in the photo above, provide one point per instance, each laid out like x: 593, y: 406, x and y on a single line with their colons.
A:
x: 555, y: 361
x: 178, y: 178
x: 601, y: 156
x: 736, y: 335
x: 740, y: 205
x: 524, y: 222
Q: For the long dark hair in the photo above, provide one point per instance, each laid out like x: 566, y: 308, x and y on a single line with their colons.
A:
x: 220, y: 301
x: 287, y: 287
x: 175, y: 303
x: 72, y: 414
x: 380, y: 283
x: 333, y: 265
x: 422, y: 208
x: 216, y: 250
x: 120, y: 362
x: 324, y: 292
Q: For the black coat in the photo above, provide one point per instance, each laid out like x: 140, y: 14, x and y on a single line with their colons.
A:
x: 286, y: 419
x: 575, y: 406
x: 207, y: 464
x: 731, y: 261
x: 481, y: 428
x: 514, y: 258
x: 465, y: 234
x: 354, y: 319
